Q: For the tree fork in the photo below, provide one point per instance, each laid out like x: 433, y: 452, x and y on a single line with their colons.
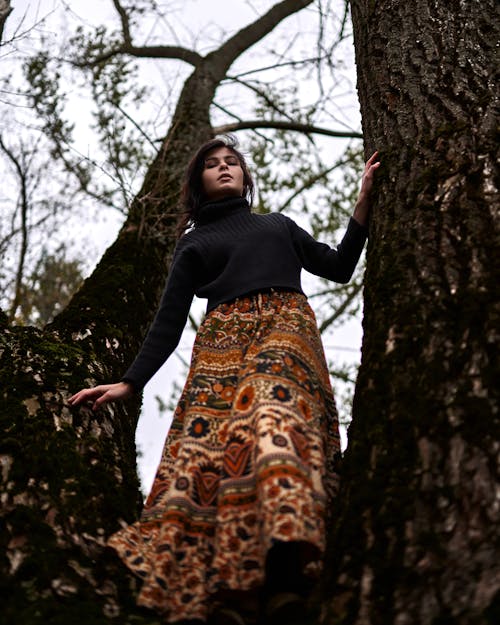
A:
x: 68, y: 475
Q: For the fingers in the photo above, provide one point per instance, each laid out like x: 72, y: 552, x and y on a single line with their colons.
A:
x: 84, y: 395
x: 372, y: 164
x: 101, y: 394
x: 88, y: 394
x: 102, y: 400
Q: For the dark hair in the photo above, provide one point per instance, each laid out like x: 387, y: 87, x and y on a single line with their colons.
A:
x: 192, y: 195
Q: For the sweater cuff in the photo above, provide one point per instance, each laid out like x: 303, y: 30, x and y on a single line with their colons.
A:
x: 355, y: 224
x: 135, y: 387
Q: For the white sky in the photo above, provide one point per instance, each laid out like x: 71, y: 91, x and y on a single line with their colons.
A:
x: 199, y: 24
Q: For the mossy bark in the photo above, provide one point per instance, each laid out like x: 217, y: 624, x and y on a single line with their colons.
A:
x: 416, y: 535
x: 68, y: 475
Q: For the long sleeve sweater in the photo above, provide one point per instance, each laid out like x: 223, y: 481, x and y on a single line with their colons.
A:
x: 232, y: 252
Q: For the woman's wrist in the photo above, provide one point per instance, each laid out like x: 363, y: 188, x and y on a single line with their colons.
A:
x: 129, y: 385
x: 361, y: 211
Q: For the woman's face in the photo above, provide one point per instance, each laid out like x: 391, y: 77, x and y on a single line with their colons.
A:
x: 222, y: 175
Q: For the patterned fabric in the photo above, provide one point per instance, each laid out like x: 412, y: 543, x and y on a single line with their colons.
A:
x: 249, y: 459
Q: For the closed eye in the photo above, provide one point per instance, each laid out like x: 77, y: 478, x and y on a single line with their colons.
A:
x: 232, y: 161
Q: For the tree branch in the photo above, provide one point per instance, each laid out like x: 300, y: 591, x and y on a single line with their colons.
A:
x: 150, y: 52
x: 309, y: 183
x: 355, y: 289
x: 220, y: 59
x: 171, y: 52
x: 5, y: 11
x: 125, y: 22
x: 262, y: 94
x: 259, y: 70
x: 284, y: 125
x: 223, y: 57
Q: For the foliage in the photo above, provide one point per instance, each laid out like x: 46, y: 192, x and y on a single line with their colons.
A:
x: 48, y: 287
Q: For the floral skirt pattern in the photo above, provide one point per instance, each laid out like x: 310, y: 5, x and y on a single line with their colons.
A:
x: 250, y: 459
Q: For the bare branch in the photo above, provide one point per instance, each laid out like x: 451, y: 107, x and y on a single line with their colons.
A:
x: 150, y: 52
x: 354, y: 289
x: 219, y: 60
x: 125, y: 22
x: 310, y: 182
x: 267, y: 68
x: 223, y: 57
x: 5, y: 11
x: 284, y: 125
x: 262, y: 94
x: 231, y: 114
x: 134, y: 123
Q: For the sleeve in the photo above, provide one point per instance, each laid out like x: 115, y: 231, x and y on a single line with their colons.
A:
x: 326, y: 262
x: 166, y: 329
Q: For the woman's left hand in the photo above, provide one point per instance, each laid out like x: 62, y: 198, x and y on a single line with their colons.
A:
x: 363, y: 205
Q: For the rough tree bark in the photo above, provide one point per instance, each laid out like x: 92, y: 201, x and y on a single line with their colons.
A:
x: 68, y: 476
x: 416, y: 537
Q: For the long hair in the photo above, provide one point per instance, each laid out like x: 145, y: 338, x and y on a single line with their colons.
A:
x: 192, y: 195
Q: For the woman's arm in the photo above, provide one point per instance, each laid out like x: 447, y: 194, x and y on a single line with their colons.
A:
x: 162, y: 338
x: 339, y: 264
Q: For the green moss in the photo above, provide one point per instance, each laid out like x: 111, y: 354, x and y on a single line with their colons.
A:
x: 62, y: 477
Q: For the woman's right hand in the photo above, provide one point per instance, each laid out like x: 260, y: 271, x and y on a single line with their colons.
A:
x: 102, y: 394
x: 363, y: 204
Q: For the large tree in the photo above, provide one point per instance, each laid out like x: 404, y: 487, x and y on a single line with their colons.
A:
x: 416, y: 520
x: 416, y: 538
x: 69, y: 476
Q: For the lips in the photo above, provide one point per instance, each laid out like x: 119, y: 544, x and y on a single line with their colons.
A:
x: 225, y: 177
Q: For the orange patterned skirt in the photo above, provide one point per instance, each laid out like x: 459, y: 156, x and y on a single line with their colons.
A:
x: 249, y: 461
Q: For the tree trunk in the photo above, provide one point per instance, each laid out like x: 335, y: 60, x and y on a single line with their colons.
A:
x: 416, y: 535
x: 69, y: 475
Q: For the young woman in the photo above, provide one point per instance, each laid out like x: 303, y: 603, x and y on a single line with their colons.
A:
x: 233, y: 530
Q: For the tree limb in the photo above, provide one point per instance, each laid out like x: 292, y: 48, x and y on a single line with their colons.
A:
x: 125, y: 22
x: 219, y: 60
x: 259, y: 70
x: 284, y: 125
x: 5, y: 11
x: 150, y: 52
x: 173, y: 52
x: 222, y: 58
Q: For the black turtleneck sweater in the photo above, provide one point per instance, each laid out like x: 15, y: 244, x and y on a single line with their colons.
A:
x: 229, y: 253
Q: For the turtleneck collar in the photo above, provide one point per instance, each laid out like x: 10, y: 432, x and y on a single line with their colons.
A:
x: 212, y: 211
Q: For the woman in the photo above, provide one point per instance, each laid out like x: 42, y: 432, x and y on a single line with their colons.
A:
x: 234, y: 527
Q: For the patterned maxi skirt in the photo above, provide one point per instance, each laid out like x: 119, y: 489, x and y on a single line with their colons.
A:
x: 250, y: 459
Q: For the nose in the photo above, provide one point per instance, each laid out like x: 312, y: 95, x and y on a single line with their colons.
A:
x: 223, y: 165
